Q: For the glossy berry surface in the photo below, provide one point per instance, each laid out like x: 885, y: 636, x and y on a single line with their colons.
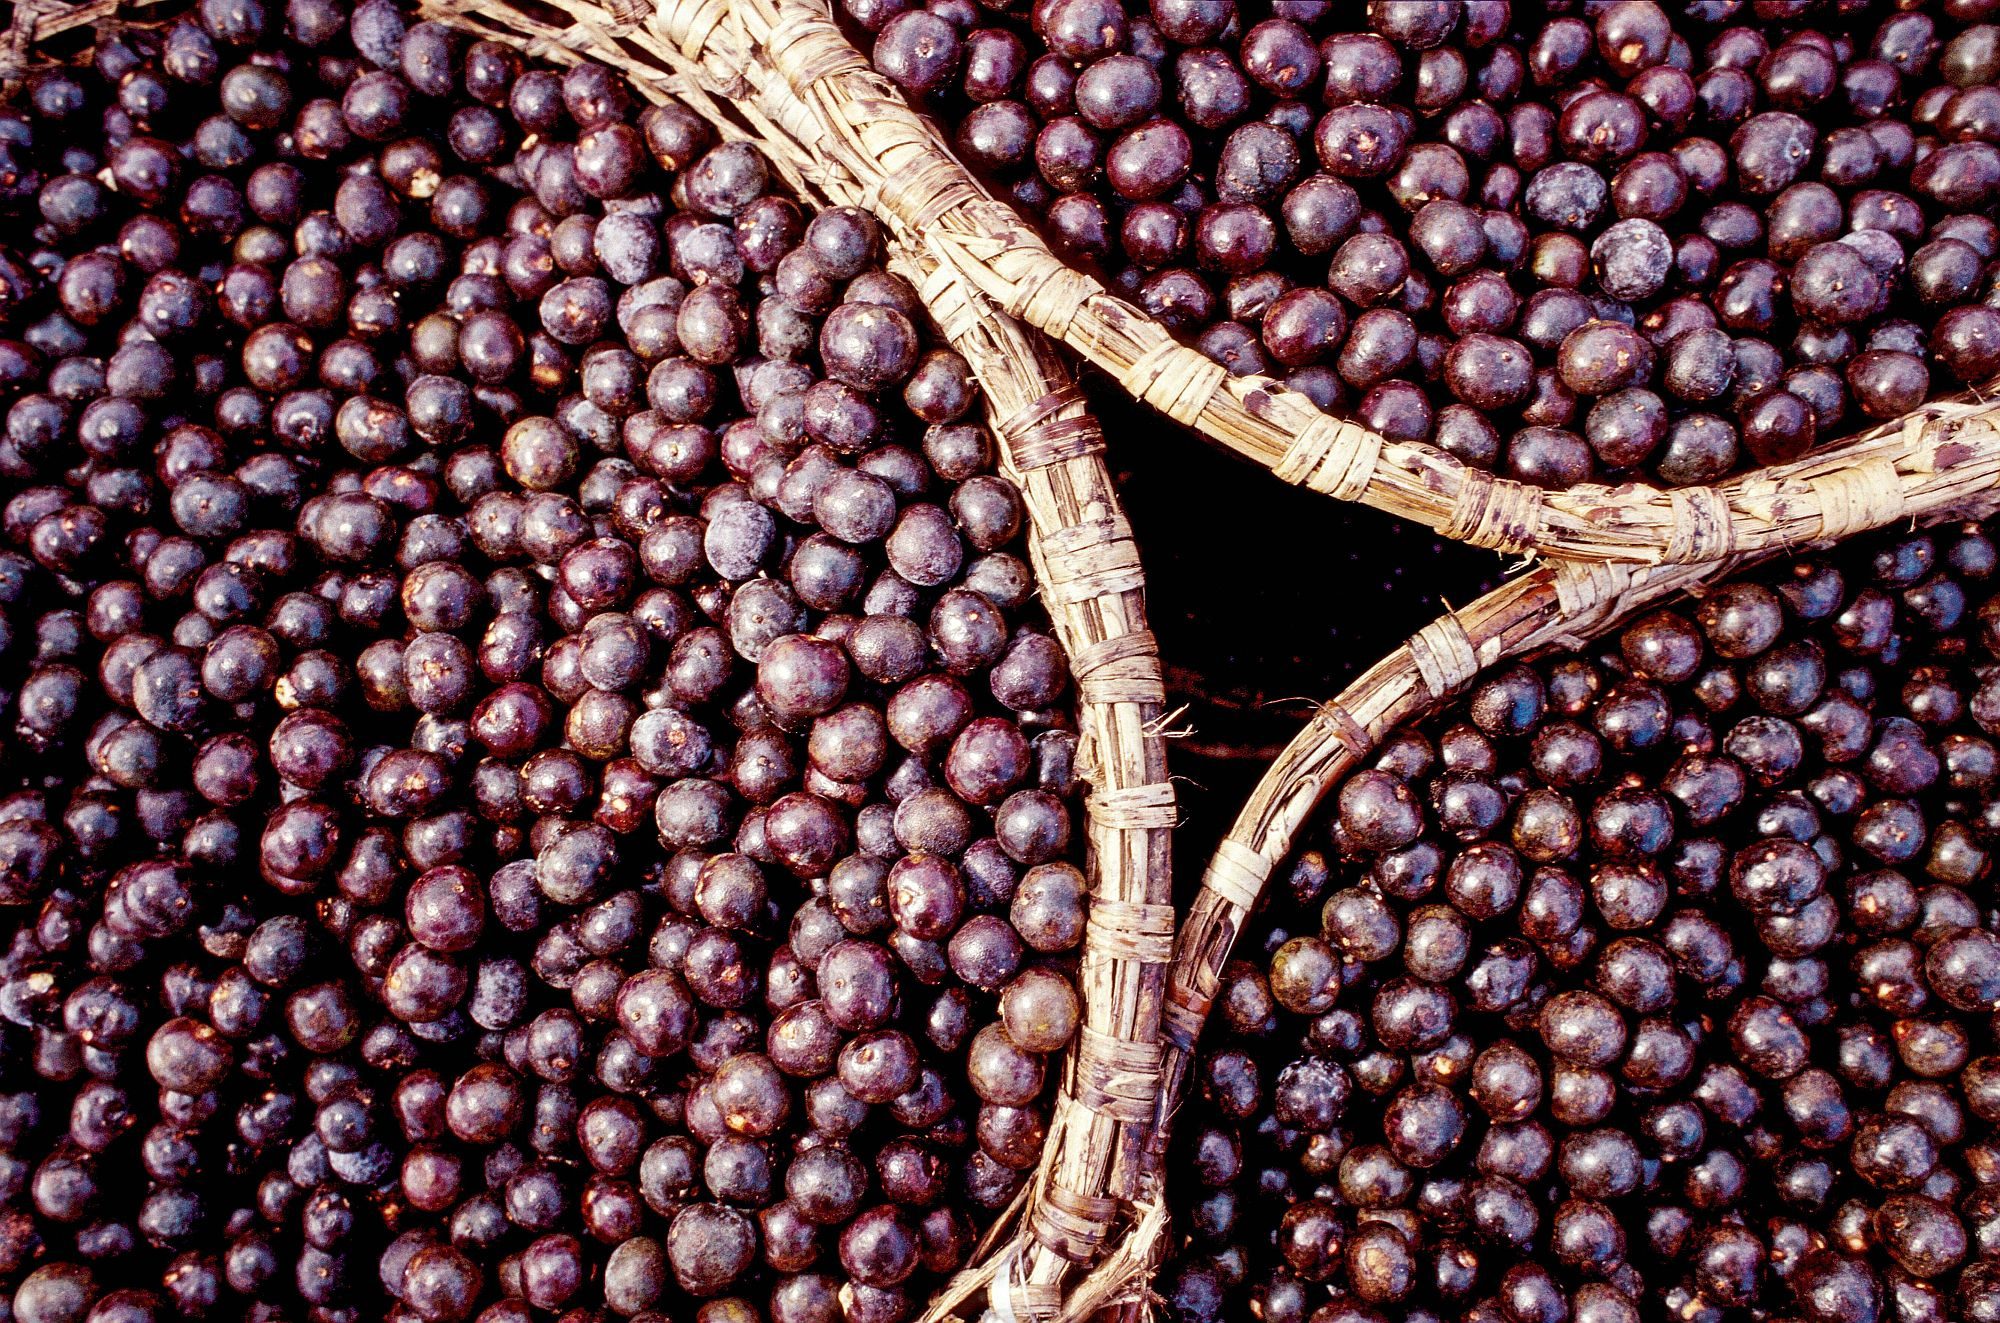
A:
x: 1652, y: 978
x: 1563, y: 242
x: 533, y: 782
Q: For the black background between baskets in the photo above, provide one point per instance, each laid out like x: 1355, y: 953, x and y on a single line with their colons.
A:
x: 1264, y: 597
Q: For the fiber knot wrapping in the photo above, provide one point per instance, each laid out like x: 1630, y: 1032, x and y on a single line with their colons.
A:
x: 1090, y: 559
x: 1332, y: 456
x: 1054, y: 299
x: 1072, y: 1223
x: 1023, y: 421
x: 1022, y: 1302
x: 1175, y: 382
x: 807, y: 50
x: 1584, y: 587
x: 1058, y: 441
x: 1118, y: 1078
x: 923, y: 191
x: 693, y: 22
x: 1124, y: 668
x: 1444, y: 656
x: 1131, y: 930
x: 1040, y: 435
x: 1858, y: 499
x: 1701, y: 528
x: 1496, y: 513
x: 1236, y: 873
x: 1134, y: 808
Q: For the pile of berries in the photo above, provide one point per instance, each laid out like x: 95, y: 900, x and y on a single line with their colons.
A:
x: 536, y: 782
x: 1653, y: 980
x: 1561, y: 241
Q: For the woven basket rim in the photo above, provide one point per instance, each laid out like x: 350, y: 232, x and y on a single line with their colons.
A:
x: 1624, y: 545
x: 875, y: 132
x: 1558, y: 604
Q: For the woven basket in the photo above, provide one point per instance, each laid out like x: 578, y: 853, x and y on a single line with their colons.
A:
x: 782, y: 67
x: 1095, y: 1165
x: 900, y: 160
x: 1562, y: 604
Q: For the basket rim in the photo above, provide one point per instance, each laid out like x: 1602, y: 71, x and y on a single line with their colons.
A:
x: 1088, y: 570
x: 1559, y: 604
x: 881, y: 137
x: 1622, y: 540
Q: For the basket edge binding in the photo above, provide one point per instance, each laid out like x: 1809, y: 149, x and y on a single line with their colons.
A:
x: 904, y: 160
